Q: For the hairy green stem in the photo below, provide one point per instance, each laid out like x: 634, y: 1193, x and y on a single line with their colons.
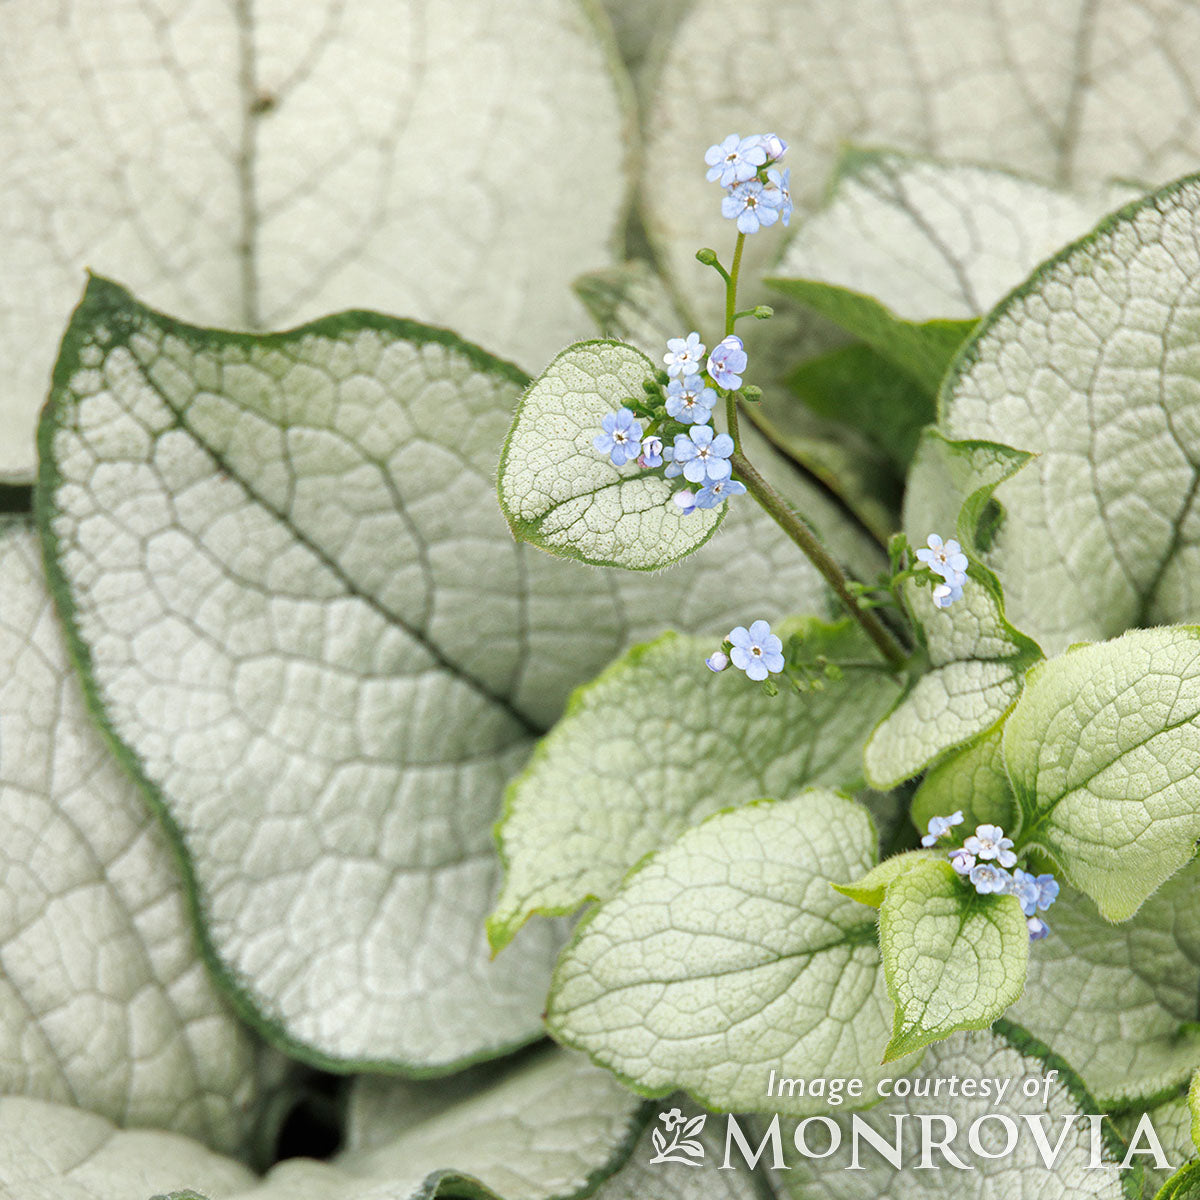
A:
x: 783, y: 514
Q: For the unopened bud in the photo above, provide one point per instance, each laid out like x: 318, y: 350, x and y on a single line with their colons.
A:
x: 763, y: 312
x: 707, y: 257
x: 751, y: 394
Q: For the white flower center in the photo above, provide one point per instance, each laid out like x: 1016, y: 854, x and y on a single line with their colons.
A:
x: 756, y: 650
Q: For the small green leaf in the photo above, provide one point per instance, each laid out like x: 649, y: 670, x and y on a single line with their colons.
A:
x: 897, y: 257
x: 977, y: 659
x: 971, y: 778
x: 620, y: 775
x: 870, y: 888
x: 560, y: 493
x: 1193, y: 1104
x: 954, y: 959
x: 1119, y: 1002
x: 728, y: 954
x: 1102, y: 753
x: 1003, y: 1056
x: 1183, y: 1185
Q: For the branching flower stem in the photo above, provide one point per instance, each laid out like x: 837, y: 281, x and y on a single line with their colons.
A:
x: 784, y: 515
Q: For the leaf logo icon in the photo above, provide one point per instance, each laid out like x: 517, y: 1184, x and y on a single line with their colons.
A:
x: 683, y: 1146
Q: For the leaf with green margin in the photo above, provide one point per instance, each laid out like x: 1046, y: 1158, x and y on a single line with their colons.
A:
x: 1119, y: 1002
x: 1102, y: 752
x: 560, y: 493
x: 104, y: 1002
x: 1004, y: 1052
x: 1061, y: 95
x: 858, y: 386
x: 631, y: 302
x: 1183, y: 1185
x: 595, y: 799
x: 305, y: 203
x: 1092, y: 362
x: 1193, y: 1103
x: 954, y: 959
x: 971, y: 779
x: 908, y: 252
x: 306, y: 627
x: 728, y: 954
x: 553, y: 1129
x: 977, y: 659
x: 870, y: 888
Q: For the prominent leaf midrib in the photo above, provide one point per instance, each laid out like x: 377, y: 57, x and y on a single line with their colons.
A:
x: 505, y: 703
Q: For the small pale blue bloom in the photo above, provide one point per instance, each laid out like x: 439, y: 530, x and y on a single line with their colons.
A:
x: 940, y: 826
x: 774, y: 146
x: 734, y: 159
x: 989, y: 842
x: 622, y: 437
x: 690, y: 401
x: 651, y: 455
x: 704, y: 455
x: 945, y: 594
x: 989, y: 879
x: 777, y: 193
x: 717, y: 661
x: 686, y: 501
x: 684, y: 355
x: 756, y: 650
x: 748, y: 205
x: 1025, y: 889
x: 1038, y: 929
x: 963, y: 861
x: 717, y: 490
x: 727, y: 361
x: 1047, y: 891
x: 946, y: 559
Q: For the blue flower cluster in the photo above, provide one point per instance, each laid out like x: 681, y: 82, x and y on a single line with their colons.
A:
x: 757, y: 191
x: 986, y: 859
x: 699, y: 454
x: 756, y: 650
x: 947, y: 560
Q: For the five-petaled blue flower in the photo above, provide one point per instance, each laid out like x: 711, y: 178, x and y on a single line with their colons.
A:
x: 777, y: 194
x: 749, y: 205
x: 686, y: 500
x: 717, y: 661
x: 652, y: 452
x: 684, y: 355
x: 1038, y: 929
x: 702, y: 454
x: 989, y: 878
x: 946, y: 559
x: 622, y: 437
x: 716, y: 490
x: 690, y: 401
x: 727, y: 361
x: 1025, y: 888
x: 940, y: 826
x: 989, y: 842
x: 756, y: 650
x: 735, y: 159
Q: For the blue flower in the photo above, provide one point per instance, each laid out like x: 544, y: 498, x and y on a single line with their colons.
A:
x: 774, y: 146
x: 776, y: 192
x: 734, y: 159
x: 940, y: 826
x: 684, y: 355
x: 945, y: 594
x: 727, y: 361
x: 690, y: 401
x: 704, y: 455
x: 989, y: 879
x: 989, y: 842
x: 756, y: 650
x: 749, y: 206
x: 1038, y: 929
x: 717, y: 661
x: 1047, y: 888
x: 622, y: 437
x: 963, y: 861
x: 946, y: 559
x: 1025, y: 889
x: 686, y: 501
x: 717, y: 490
x: 651, y: 455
